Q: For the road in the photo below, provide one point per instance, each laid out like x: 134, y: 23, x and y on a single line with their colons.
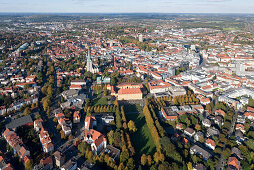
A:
x: 48, y: 121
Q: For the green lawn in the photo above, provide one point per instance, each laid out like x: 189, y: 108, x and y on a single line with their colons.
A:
x: 101, y: 101
x: 133, y: 108
x: 142, y: 139
x: 229, y: 29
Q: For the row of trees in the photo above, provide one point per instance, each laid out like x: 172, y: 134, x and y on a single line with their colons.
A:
x: 89, y: 109
x: 158, y: 156
x: 185, y: 99
x: 99, y: 87
x: 168, y: 151
x: 47, y: 89
x: 121, y: 138
x: 156, y: 121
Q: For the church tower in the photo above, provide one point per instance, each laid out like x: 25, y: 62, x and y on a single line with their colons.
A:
x: 89, y: 63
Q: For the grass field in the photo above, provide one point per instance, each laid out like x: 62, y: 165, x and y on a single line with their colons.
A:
x: 229, y: 29
x: 101, y: 101
x: 142, y: 139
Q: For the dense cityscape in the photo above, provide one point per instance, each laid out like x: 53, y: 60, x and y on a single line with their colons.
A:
x: 126, y: 91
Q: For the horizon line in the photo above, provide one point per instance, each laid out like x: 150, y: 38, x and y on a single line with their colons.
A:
x: 122, y: 13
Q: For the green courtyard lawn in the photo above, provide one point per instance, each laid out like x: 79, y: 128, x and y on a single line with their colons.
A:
x: 101, y: 101
x: 142, y: 139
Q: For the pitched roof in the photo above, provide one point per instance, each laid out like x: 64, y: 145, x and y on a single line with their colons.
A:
x: 233, y: 161
x: 211, y: 142
x: 22, y: 151
x: 46, y: 161
x: 221, y: 112
x: 130, y: 91
x: 251, y: 109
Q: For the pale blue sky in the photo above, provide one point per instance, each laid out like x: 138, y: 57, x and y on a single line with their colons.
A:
x: 128, y: 6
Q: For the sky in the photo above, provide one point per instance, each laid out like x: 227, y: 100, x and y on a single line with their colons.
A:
x: 128, y: 6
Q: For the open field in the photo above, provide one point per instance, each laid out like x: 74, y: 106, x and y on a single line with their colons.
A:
x: 101, y: 101
x: 142, y: 139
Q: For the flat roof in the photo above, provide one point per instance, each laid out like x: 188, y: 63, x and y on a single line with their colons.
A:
x: 19, y: 122
x: 169, y: 111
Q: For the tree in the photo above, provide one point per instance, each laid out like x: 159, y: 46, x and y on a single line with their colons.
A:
x: 226, y: 153
x: 118, y: 119
x: 131, y: 126
x: 50, y: 91
x: 62, y: 134
x: 38, y: 116
x: 189, y: 166
x: 46, y: 103
x: 110, y: 137
x: 152, y: 128
x: 251, y: 102
x: 58, y: 127
x: 90, y: 156
x: 117, y: 139
x: 164, y: 166
x: 121, y: 166
x: 55, y: 119
x: 167, y: 146
x: 116, y: 103
x: 27, y: 111
x: 149, y: 160
x: 208, y: 108
x: 124, y: 125
x: 197, y: 127
x: 158, y: 156
x: 143, y: 160
x: 124, y: 154
x: 28, y: 165
x: 105, y: 92
x: 44, y: 89
x: 130, y: 163
x: 82, y: 147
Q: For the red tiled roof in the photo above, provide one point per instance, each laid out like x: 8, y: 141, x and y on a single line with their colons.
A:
x: 233, y: 161
x: 130, y: 91
x: 210, y: 141
x: 221, y: 112
x: 251, y: 109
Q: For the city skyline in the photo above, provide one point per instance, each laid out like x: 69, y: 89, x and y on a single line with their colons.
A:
x: 130, y: 6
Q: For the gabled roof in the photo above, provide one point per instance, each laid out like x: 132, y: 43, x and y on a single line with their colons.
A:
x: 130, y: 91
x: 211, y: 142
x: 233, y: 161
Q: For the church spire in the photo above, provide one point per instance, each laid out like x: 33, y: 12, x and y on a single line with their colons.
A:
x: 89, y: 56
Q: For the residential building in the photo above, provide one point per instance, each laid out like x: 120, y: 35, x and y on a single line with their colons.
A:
x: 97, y: 141
x: 195, y: 149
x: 189, y: 131
x: 210, y: 144
x: 59, y: 158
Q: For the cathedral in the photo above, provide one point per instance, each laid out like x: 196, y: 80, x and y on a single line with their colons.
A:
x: 89, y: 64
